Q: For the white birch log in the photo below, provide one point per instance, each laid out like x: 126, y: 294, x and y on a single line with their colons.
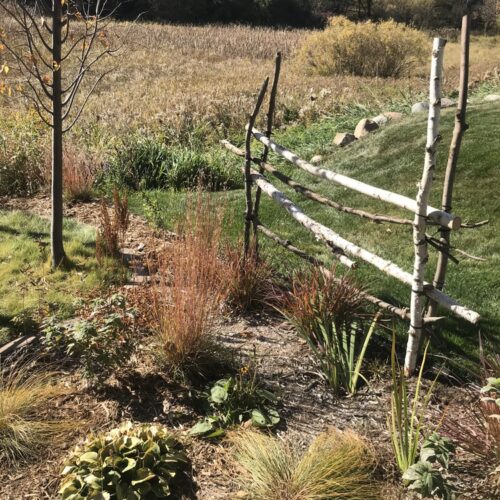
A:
x: 422, y: 201
x: 383, y: 265
x: 438, y: 216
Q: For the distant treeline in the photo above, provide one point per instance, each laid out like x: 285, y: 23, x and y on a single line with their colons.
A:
x: 426, y: 14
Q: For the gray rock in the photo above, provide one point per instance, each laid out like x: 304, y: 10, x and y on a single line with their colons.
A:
x: 343, y: 139
x: 448, y: 103
x: 420, y: 107
x: 492, y: 98
x: 364, y: 127
x: 316, y: 159
x: 380, y: 120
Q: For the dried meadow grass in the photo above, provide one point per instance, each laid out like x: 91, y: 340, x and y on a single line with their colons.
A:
x: 24, y: 395
x: 337, y: 464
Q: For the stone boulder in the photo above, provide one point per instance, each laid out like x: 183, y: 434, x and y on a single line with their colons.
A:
x: 380, y: 120
x: 343, y: 139
x: 364, y: 127
x: 448, y: 103
x: 420, y: 107
x: 316, y: 159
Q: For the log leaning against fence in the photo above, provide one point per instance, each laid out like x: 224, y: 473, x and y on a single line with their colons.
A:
x: 438, y: 216
x: 398, y: 311
x: 423, y: 195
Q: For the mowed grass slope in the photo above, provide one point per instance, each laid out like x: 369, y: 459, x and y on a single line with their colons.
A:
x: 392, y: 158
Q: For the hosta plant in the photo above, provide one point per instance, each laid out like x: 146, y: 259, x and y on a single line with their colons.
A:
x: 127, y: 463
x: 237, y: 400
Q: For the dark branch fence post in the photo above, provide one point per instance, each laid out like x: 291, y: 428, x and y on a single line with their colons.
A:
x: 249, y: 215
x: 451, y: 167
x: 265, y: 153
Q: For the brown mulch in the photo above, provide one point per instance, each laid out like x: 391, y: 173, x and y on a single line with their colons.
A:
x: 141, y: 395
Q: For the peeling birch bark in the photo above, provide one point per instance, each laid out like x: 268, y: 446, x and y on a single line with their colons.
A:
x: 422, y: 201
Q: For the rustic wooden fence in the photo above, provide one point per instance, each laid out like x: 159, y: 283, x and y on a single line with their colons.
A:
x: 343, y: 250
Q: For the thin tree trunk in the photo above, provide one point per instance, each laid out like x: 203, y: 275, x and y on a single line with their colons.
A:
x: 420, y: 222
x: 451, y: 168
x: 58, y: 254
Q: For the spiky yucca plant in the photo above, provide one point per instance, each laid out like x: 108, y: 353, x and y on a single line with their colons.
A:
x: 24, y: 396
x: 338, y: 464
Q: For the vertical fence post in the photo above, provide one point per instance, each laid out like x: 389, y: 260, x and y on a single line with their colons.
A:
x: 249, y: 216
x: 420, y: 221
x: 451, y: 167
x: 265, y: 153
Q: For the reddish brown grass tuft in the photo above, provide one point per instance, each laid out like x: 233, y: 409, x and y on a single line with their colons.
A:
x: 248, y: 280
x: 190, y: 290
x: 113, y: 228
x: 79, y: 175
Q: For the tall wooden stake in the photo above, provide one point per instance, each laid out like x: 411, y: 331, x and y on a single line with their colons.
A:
x: 451, y: 168
x: 420, y: 221
x: 248, y: 165
x: 265, y: 153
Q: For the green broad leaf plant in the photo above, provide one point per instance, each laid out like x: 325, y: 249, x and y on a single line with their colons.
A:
x: 128, y: 463
x: 237, y: 400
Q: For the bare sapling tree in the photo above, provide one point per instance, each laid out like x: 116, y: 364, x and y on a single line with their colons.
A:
x: 53, y: 46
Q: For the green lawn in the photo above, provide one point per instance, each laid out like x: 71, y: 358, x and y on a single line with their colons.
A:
x: 392, y: 158
x: 29, y: 289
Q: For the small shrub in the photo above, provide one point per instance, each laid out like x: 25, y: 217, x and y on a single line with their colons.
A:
x: 476, y: 429
x: 25, y: 394
x: 248, y: 280
x: 111, y: 234
x: 426, y: 476
x: 101, y: 343
x: 129, y: 462
x: 336, y: 465
x: 149, y: 163
x: 385, y: 49
x: 189, y: 293
x: 324, y: 310
x: 235, y: 400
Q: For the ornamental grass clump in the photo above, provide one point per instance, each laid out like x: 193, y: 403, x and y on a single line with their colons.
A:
x: 25, y: 426
x: 326, y: 312
x: 190, y: 291
x: 369, y: 49
x: 338, y: 464
x: 248, y: 279
x: 127, y: 463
